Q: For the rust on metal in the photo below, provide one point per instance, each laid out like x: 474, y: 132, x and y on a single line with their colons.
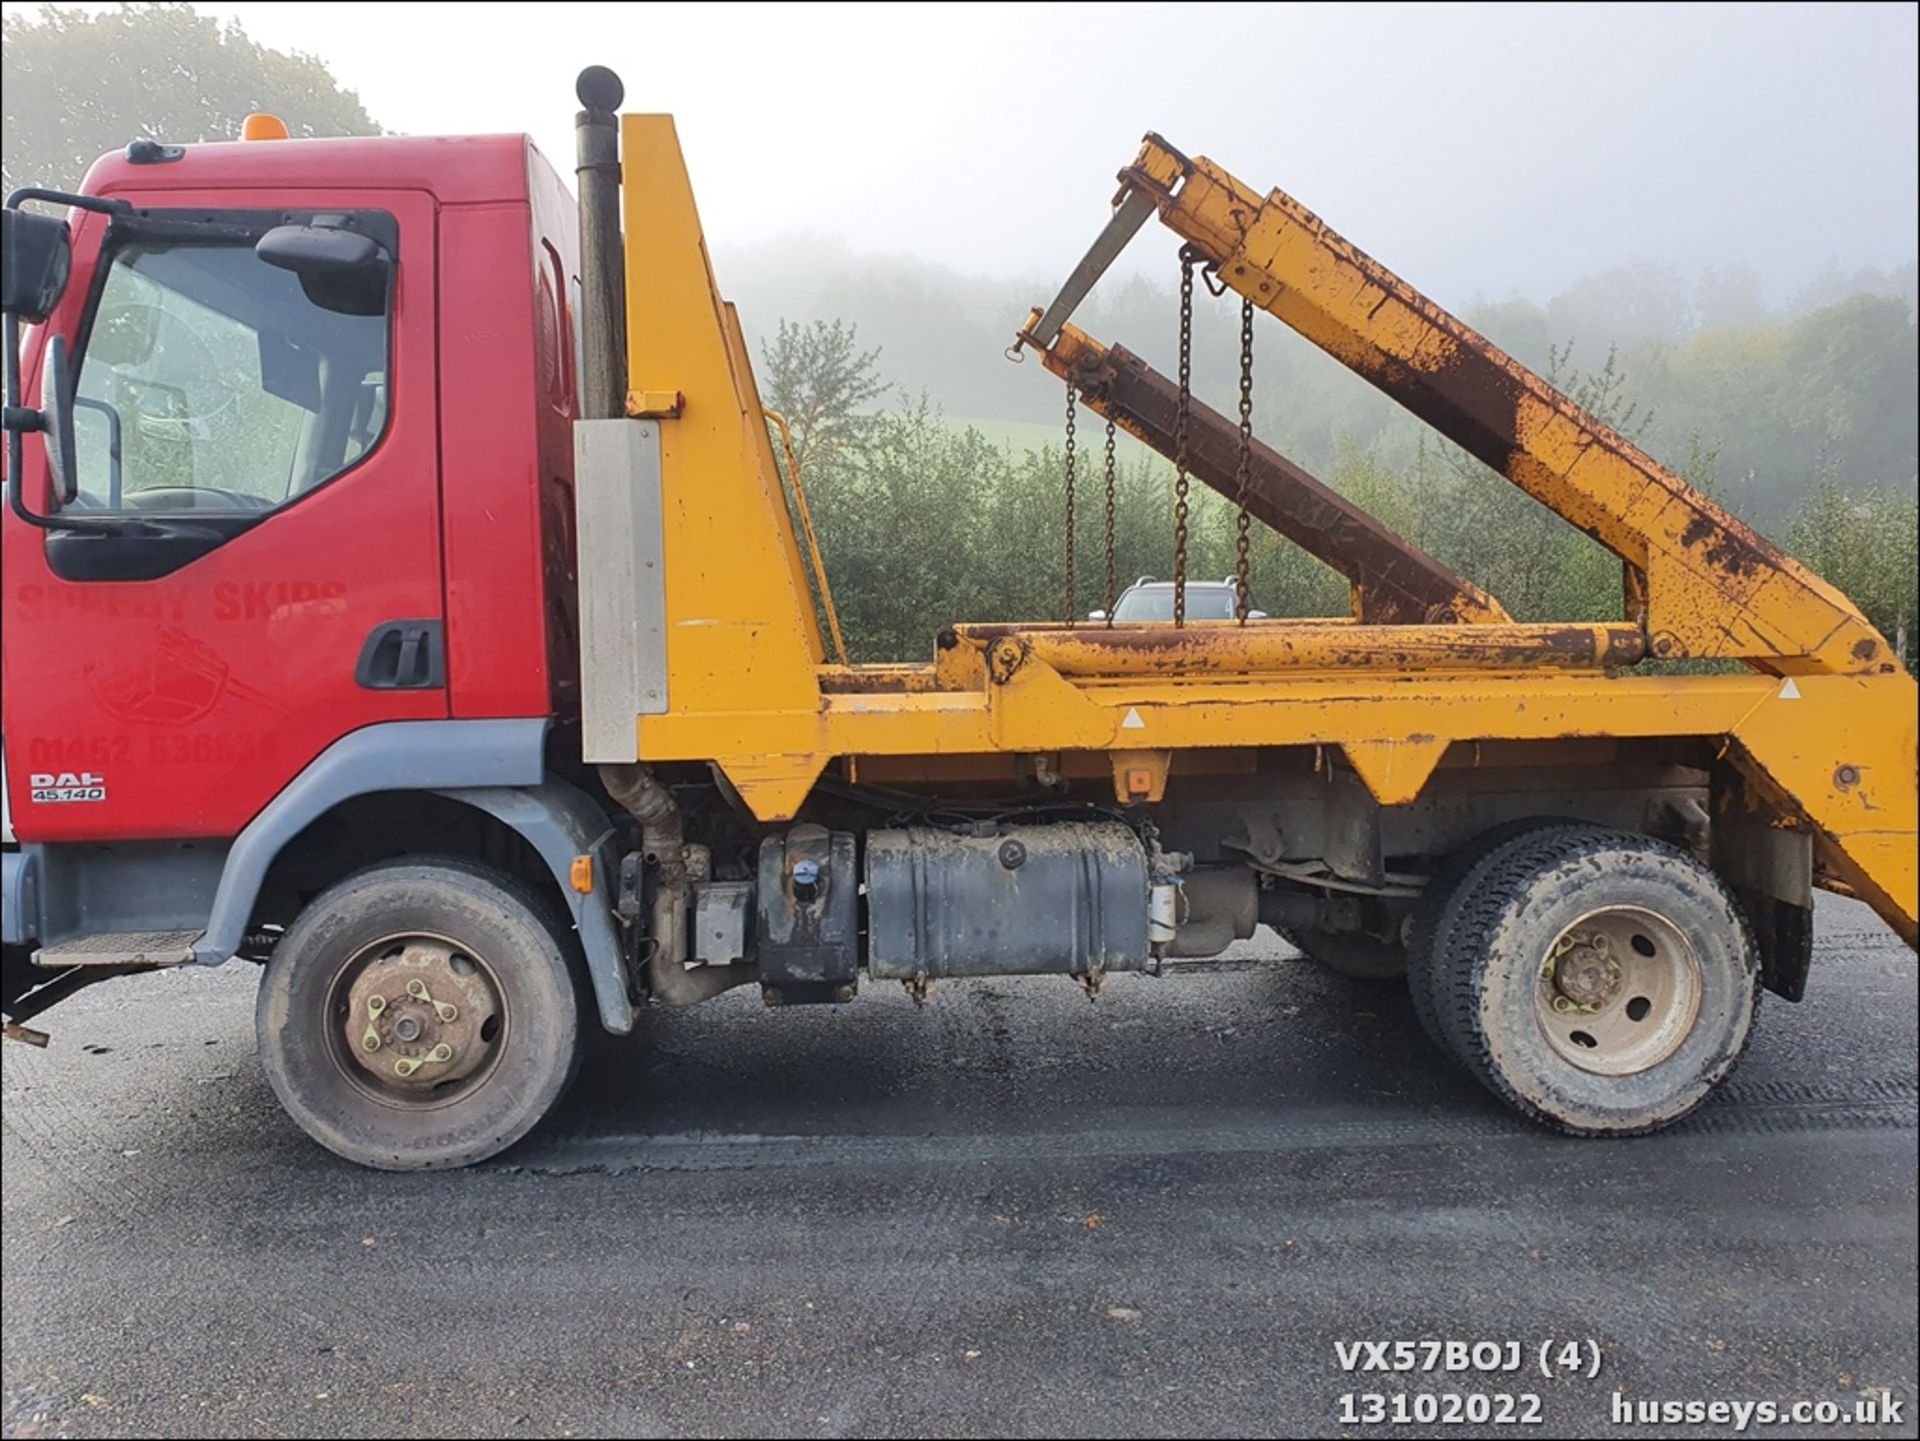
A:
x: 1005, y: 656
x: 889, y: 679
x: 1394, y: 582
x: 1225, y: 648
x: 1713, y: 586
x: 418, y: 1018
x: 1586, y: 975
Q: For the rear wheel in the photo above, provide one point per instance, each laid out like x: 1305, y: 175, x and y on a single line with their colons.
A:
x: 1434, y: 916
x: 420, y: 1015
x: 1599, y: 982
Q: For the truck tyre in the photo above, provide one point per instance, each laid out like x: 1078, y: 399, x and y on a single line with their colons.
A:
x: 1353, y: 954
x: 420, y: 1014
x: 1433, y: 916
x: 1601, y: 983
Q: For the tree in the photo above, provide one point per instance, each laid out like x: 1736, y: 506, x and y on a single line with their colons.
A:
x: 1728, y: 298
x: 905, y: 545
x: 822, y: 382
x: 79, y: 84
x: 1517, y: 326
x: 1865, y: 543
x: 1851, y: 369
x: 1627, y: 305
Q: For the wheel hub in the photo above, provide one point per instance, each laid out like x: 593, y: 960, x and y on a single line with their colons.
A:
x: 418, y: 1016
x: 1619, y: 991
x: 1585, y: 974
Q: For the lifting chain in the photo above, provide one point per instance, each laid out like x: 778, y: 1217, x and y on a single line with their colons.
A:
x: 1112, y: 591
x: 1243, y: 468
x: 1188, y: 259
x: 1072, y: 407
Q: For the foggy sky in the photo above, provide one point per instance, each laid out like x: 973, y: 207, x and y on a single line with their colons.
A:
x: 1482, y: 151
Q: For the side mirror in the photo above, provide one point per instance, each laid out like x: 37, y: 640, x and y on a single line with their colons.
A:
x: 340, y: 269
x: 316, y: 249
x: 1096, y: 615
x: 1256, y: 615
x: 56, y: 418
x: 36, y: 254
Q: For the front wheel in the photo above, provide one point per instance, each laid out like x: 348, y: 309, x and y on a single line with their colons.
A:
x: 420, y: 1014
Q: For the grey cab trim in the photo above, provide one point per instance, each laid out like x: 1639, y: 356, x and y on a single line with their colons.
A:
x: 91, y: 888
x: 19, y: 895
x: 393, y: 756
x: 562, y: 822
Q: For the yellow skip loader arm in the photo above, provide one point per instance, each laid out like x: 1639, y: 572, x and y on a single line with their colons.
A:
x: 1699, y: 582
x: 1822, y: 732
x: 1710, y: 586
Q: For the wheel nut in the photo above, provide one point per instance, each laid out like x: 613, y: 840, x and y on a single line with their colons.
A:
x: 416, y: 1012
x: 1587, y: 976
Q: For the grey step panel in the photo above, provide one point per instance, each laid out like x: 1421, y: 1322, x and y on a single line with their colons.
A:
x: 121, y: 948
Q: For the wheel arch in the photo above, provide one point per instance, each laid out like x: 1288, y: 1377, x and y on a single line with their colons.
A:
x: 396, y: 789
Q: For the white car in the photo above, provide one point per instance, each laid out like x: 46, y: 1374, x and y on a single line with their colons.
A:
x: 1148, y: 599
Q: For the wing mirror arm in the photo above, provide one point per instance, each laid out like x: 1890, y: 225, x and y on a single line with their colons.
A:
x: 39, y: 250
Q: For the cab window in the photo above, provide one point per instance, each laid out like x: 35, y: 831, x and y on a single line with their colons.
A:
x: 214, y: 382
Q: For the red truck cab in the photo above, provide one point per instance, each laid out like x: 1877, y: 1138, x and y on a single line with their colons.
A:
x: 335, y: 515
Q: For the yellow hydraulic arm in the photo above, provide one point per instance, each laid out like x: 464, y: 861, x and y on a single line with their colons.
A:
x: 1699, y: 583
x: 1702, y: 584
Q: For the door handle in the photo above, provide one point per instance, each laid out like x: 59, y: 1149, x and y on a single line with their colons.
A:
x: 403, y: 655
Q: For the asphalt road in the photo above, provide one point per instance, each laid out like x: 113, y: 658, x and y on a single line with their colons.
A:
x: 1013, y: 1212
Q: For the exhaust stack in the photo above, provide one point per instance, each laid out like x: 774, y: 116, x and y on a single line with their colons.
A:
x: 603, y: 322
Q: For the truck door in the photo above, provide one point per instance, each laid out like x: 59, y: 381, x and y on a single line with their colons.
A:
x: 261, y: 444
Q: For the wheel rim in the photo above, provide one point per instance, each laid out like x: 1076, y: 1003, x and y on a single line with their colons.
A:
x: 416, y: 1020
x: 1618, y: 991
